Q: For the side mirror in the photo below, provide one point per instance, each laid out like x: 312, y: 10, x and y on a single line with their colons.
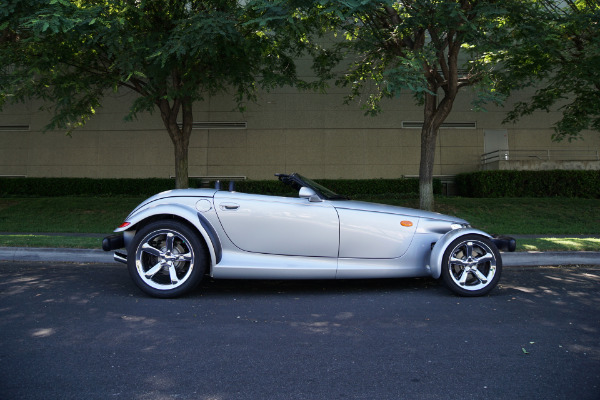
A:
x: 308, y: 193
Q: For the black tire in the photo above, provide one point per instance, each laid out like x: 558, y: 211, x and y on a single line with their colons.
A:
x: 167, y: 259
x: 471, y: 266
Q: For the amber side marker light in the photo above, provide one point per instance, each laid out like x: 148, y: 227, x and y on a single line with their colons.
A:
x: 406, y: 223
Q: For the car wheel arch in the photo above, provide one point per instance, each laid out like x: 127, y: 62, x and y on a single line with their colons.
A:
x: 167, y: 258
x: 437, y: 253
x: 194, y: 220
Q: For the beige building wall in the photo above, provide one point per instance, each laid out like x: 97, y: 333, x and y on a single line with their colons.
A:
x: 286, y: 131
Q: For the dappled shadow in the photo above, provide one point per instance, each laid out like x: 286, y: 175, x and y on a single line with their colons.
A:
x: 564, y: 299
x: 91, y: 324
x: 561, y: 285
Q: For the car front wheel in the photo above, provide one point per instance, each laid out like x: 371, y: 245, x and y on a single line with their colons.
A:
x: 471, y: 266
x: 166, y: 259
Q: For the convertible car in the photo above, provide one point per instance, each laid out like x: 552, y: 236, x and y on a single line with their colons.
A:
x: 175, y: 238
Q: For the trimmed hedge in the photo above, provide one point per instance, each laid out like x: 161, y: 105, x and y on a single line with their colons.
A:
x: 348, y: 187
x: 556, y: 183
x: 377, y: 186
x: 54, y: 187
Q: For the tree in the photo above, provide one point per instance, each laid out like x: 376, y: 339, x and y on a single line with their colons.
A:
x: 432, y: 48
x: 171, y: 53
x: 558, y: 52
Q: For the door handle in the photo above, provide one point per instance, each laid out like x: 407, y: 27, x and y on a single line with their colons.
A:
x: 229, y: 206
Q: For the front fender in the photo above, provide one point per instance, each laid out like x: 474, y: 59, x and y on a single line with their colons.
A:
x: 437, y: 253
x: 190, y: 214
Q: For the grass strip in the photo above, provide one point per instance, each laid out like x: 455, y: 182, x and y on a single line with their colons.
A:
x: 65, y: 214
x: 518, y: 216
x: 51, y: 241
x: 558, y: 244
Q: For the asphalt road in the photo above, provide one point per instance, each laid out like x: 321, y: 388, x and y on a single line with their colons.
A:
x: 75, y: 331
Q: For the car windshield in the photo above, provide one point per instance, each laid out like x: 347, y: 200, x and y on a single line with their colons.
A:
x: 320, y: 189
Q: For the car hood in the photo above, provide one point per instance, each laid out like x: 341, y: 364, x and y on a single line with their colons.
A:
x: 384, y: 208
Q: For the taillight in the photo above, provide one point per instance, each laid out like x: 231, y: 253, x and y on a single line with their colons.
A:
x: 124, y: 225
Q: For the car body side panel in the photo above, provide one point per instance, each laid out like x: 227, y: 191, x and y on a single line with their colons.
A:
x: 279, y: 225
x: 384, y: 208
x: 365, y: 234
x: 413, y: 263
x: 237, y: 264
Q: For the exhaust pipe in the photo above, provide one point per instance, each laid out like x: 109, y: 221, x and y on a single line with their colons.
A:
x: 120, y: 257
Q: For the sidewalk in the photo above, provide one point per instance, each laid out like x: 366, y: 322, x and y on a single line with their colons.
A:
x: 99, y: 256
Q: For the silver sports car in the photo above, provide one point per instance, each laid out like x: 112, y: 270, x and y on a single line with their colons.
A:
x: 175, y: 238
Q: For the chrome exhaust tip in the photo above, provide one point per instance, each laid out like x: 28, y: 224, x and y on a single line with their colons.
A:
x: 120, y: 257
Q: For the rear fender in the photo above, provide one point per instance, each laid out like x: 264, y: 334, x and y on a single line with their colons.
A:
x: 191, y: 215
x: 437, y: 253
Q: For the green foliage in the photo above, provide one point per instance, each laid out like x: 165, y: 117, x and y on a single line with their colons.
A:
x: 557, y: 183
x: 414, y: 46
x: 72, y: 52
x: 558, y: 52
x: 170, y: 53
x: 57, y: 187
x: 430, y: 49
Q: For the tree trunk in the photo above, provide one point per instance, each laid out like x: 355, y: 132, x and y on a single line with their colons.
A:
x: 428, y: 139
x: 434, y: 116
x: 182, y: 180
x: 180, y: 136
x: 181, y: 164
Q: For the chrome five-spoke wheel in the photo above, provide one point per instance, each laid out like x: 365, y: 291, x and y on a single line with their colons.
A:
x: 471, y: 265
x: 167, y: 259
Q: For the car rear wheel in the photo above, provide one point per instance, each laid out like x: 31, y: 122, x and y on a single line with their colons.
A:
x: 166, y: 259
x: 471, y: 266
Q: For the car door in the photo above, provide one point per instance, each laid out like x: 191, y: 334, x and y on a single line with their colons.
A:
x: 279, y: 225
x: 369, y: 234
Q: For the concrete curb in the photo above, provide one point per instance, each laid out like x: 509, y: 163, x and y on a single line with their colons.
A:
x: 55, y: 255
x: 524, y: 259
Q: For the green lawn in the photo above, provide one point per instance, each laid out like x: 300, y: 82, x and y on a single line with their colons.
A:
x: 64, y: 214
x: 41, y: 240
x: 558, y: 244
x: 523, y: 216
x: 519, y: 216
